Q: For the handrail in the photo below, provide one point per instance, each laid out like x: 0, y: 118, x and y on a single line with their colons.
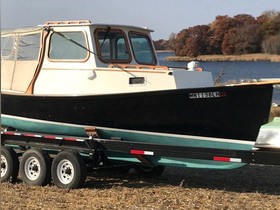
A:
x: 71, y: 22
x: 138, y: 66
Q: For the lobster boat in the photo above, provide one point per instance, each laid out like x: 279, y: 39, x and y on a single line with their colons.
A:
x: 66, y: 76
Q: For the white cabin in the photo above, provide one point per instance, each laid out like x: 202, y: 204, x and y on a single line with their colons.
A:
x: 81, y: 58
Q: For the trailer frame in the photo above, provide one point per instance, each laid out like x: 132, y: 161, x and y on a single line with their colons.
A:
x: 93, y: 149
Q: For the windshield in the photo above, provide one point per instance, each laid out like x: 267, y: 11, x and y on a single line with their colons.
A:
x: 142, y: 48
x: 112, y: 46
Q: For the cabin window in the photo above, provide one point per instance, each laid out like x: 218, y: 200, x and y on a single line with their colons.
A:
x: 19, y: 58
x: 112, y: 46
x: 7, y: 45
x: 142, y: 48
x: 68, y: 46
x: 28, y: 47
x: 25, y: 47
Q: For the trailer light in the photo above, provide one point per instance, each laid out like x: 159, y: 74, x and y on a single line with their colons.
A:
x: 141, y: 152
x: 227, y: 159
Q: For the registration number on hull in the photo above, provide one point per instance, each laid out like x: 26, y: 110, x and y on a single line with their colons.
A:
x: 216, y: 94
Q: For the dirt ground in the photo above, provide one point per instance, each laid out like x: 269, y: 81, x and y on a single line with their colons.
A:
x: 251, y: 187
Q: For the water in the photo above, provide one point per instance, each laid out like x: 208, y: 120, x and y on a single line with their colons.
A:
x: 234, y: 70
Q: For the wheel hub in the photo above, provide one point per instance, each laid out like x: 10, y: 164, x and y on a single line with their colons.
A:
x: 65, y: 171
x: 4, y: 167
x: 32, y: 168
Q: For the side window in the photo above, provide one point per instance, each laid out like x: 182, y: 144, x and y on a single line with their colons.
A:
x: 68, y: 46
x: 122, y: 52
x: 28, y: 46
x: 7, y: 46
x: 112, y: 46
x: 142, y: 48
x: 19, y: 58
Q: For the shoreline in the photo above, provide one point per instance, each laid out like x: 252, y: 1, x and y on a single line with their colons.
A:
x: 245, y: 57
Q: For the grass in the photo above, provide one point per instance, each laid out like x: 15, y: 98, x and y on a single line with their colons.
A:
x: 251, y: 187
x: 246, y: 57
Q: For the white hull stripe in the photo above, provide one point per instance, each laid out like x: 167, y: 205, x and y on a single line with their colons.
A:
x: 43, y: 136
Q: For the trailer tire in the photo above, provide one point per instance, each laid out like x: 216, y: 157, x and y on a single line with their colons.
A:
x: 35, y: 167
x: 149, y: 172
x: 9, y: 165
x: 68, y: 170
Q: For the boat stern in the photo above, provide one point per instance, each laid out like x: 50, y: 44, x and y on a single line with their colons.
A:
x: 269, y: 135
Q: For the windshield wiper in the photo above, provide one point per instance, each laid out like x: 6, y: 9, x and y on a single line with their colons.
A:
x: 105, y: 36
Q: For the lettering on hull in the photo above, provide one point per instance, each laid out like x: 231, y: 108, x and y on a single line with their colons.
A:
x: 215, y: 94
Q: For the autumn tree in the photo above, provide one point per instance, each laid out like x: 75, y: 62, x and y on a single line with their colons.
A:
x: 218, y: 28
x: 197, y: 42
x: 272, y: 24
x: 244, y: 20
x: 244, y: 38
x: 271, y: 44
x: 192, y: 41
x: 179, y: 42
x: 240, y: 34
x: 159, y: 44
x: 270, y: 29
x: 171, y: 39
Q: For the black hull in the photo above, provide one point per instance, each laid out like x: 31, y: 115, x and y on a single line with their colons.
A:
x: 224, y: 112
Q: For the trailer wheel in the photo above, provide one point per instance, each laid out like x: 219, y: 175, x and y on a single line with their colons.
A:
x: 68, y: 170
x: 9, y: 165
x: 149, y: 172
x: 35, y: 167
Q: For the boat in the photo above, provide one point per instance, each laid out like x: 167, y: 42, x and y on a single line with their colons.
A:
x: 269, y: 134
x: 63, y: 77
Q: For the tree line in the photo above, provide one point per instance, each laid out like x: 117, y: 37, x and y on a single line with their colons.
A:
x: 241, y: 34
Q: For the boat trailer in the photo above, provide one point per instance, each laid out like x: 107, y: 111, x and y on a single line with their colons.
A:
x: 66, y: 159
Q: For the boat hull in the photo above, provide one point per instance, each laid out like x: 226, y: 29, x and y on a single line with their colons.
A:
x: 223, y: 112
x: 219, y: 117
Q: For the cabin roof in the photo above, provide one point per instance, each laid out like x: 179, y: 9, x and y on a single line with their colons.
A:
x: 88, y: 23
x: 122, y: 26
x: 20, y: 30
x: 70, y: 23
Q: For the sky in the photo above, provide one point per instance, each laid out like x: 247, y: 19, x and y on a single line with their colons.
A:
x: 163, y: 16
